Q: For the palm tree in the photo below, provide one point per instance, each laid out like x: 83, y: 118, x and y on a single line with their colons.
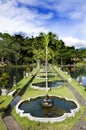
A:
x: 45, y: 38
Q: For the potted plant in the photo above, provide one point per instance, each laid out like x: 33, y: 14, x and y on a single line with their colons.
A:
x: 4, y: 82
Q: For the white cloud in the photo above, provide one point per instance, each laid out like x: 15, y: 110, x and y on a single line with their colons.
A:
x: 14, y: 19
x: 24, y: 16
x: 71, y: 41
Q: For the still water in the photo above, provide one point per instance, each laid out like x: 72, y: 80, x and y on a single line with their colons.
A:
x: 79, y: 73
x: 75, y: 72
x: 13, y: 71
x: 58, y: 108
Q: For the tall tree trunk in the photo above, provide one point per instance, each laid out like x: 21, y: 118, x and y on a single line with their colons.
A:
x: 46, y: 69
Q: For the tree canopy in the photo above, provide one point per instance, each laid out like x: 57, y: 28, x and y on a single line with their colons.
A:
x: 18, y: 49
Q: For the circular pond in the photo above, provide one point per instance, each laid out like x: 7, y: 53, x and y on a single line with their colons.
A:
x: 59, y: 108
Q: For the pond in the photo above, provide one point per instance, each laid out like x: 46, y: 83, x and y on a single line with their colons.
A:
x: 79, y: 73
x: 58, y: 108
x: 51, y: 84
x: 49, y: 76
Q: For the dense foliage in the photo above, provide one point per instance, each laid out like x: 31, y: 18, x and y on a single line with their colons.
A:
x: 4, y: 80
x: 18, y: 49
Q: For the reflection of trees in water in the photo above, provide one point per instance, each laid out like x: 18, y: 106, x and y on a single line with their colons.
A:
x: 78, y: 71
x: 13, y: 71
x: 53, y: 111
x: 80, y: 79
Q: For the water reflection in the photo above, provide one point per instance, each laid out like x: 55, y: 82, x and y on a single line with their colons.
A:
x: 77, y: 72
x: 58, y: 108
x: 13, y: 71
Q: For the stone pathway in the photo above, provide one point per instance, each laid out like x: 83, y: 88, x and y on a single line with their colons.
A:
x: 77, y: 95
x: 80, y: 124
x: 8, y: 119
x: 11, y: 124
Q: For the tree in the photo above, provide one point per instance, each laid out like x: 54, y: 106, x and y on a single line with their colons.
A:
x: 83, y: 54
x: 5, y: 45
x: 4, y: 80
x: 45, y: 38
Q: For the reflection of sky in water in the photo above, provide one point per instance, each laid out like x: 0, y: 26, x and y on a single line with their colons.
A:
x: 83, y: 80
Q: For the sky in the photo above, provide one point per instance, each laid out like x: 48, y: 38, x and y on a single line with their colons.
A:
x: 65, y: 18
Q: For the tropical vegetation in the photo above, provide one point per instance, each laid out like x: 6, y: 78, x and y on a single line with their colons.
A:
x: 18, y: 49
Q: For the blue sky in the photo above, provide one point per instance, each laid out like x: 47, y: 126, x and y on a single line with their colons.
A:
x: 66, y: 18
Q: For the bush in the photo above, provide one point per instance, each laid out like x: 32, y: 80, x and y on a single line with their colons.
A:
x: 4, y: 80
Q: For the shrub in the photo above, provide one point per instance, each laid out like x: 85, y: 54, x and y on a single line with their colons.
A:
x: 4, y: 80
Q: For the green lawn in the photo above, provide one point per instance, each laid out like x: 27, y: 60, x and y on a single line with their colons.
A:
x: 33, y: 125
x: 30, y: 92
x: 2, y: 125
x: 4, y: 101
x: 79, y: 88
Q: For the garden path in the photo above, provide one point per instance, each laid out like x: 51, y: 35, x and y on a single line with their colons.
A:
x: 8, y: 119
x: 11, y: 123
x: 81, y: 123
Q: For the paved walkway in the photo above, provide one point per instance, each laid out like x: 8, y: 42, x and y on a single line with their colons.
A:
x: 80, y: 124
x: 77, y: 95
x: 8, y: 119
x: 11, y: 124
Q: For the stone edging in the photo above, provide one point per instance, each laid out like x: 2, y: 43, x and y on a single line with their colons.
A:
x: 44, y: 88
x: 54, y: 119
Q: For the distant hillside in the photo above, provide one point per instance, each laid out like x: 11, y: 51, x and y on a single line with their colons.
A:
x: 81, y: 49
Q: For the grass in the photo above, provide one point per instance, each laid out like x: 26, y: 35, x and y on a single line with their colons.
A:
x: 32, y: 125
x: 57, y: 91
x: 2, y: 125
x: 79, y: 88
x: 4, y: 101
x: 84, y: 118
x: 27, y: 124
x: 22, y: 82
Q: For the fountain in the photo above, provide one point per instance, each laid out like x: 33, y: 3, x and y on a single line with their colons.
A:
x: 47, y: 108
x: 47, y: 102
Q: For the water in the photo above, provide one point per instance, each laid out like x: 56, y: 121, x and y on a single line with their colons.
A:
x: 79, y: 72
x: 49, y: 76
x: 50, y: 84
x: 59, y: 107
x: 13, y: 71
